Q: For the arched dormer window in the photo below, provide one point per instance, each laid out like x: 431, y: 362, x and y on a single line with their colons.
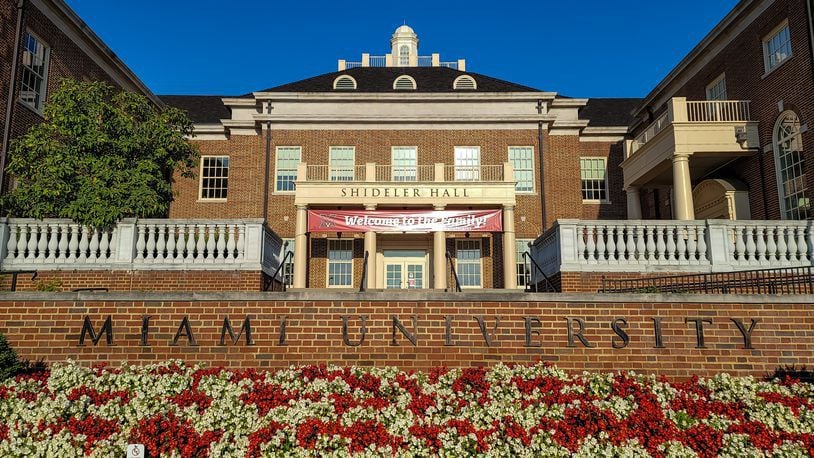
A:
x: 790, y: 167
x: 404, y: 83
x: 464, y: 82
x: 345, y: 82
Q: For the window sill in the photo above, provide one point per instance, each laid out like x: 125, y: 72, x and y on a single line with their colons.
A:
x: 769, y: 72
x: 596, y: 202
x: 211, y: 201
x: 31, y: 108
x: 284, y: 193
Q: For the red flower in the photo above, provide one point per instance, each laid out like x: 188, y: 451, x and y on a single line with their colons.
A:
x: 162, y: 435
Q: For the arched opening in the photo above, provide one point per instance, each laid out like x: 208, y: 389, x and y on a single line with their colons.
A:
x: 790, y: 167
x: 721, y: 199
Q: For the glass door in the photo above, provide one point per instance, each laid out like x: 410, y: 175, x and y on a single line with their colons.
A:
x: 405, y: 269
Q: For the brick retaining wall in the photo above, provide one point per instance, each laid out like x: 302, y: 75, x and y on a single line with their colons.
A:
x: 48, y: 326
x: 138, y: 280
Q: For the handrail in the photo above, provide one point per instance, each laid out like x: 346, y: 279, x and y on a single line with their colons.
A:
x: 454, y: 274
x: 549, y: 285
x: 363, y: 280
x: 783, y: 280
x: 279, y: 268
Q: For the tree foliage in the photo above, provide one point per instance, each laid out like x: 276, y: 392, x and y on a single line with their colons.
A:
x: 99, y: 156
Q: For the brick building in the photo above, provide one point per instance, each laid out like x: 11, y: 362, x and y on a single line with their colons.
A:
x: 404, y: 136
x: 724, y: 134
x: 41, y: 43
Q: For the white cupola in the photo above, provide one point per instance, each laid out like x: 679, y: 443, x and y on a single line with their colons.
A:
x: 404, y: 44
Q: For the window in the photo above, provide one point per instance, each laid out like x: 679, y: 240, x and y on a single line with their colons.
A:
x: 341, y: 163
x: 523, y: 266
x: 467, y: 163
x: 716, y: 90
x: 522, y: 160
x: 340, y: 262
x: 404, y: 163
x: 288, y: 265
x: 404, y: 82
x: 467, y: 263
x: 345, y: 82
x: 777, y: 47
x: 464, y: 82
x: 594, y: 181
x: 34, y: 72
x: 404, y: 55
x: 214, y: 177
x: 790, y: 166
x: 288, y: 158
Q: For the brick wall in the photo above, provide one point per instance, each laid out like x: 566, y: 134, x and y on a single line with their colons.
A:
x: 138, y: 280
x: 49, y: 327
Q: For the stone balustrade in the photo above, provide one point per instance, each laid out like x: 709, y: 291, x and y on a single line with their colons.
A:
x: 673, y: 246
x: 139, y: 244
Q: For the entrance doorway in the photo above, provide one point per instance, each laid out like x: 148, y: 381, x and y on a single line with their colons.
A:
x: 405, y: 269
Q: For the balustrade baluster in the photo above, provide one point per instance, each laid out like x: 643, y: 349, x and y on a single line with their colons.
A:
x: 802, y: 249
x: 64, y: 235
x: 610, y: 246
x: 200, y: 246
x: 701, y: 240
x: 161, y: 242
x: 189, y: 230
x: 590, y: 245
x: 15, y: 235
x: 660, y: 244
x: 210, y: 243
x: 791, y: 245
x: 692, y: 244
x: 581, y: 246
x: 782, y: 248
x: 671, y: 234
x: 231, y: 232
x: 42, y: 242
x: 622, y: 252
x: 750, y: 245
x: 73, y: 243
x: 150, y: 248
x: 641, y: 247
x: 651, y: 244
x: 93, y: 245
x: 83, y: 243
x: 141, y: 242
x: 31, y: 239
x: 221, y: 244
x: 53, y: 242
x: 104, y: 245
x: 171, y: 235
x: 761, y: 244
x: 740, y: 245
x: 241, y: 242
x: 771, y: 246
x: 681, y: 243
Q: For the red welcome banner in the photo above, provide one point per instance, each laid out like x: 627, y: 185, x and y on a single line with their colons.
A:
x: 405, y: 221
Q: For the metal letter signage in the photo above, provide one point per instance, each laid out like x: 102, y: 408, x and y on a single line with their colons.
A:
x: 405, y: 221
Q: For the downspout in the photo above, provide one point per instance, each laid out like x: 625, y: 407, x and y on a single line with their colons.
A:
x: 268, y: 164
x: 809, y: 9
x: 11, y: 87
x: 542, y: 177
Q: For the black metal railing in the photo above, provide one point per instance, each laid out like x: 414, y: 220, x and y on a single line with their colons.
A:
x: 268, y: 281
x: 786, y: 280
x: 363, y: 280
x: 14, y: 275
x: 534, y: 286
x: 454, y: 274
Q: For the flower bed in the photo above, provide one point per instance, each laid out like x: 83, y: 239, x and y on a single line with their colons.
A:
x: 521, y: 410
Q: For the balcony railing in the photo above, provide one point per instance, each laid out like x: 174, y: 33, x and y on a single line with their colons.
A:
x: 372, y: 172
x: 673, y: 246
x: 390, y: 60
x: 143, y: 244
x: 680, y: 110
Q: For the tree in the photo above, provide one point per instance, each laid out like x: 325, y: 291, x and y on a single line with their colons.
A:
x: 99, y: 156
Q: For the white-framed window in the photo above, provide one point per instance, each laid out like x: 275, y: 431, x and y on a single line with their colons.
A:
x: 342, y: 163
x: 468, y: 263
x: 404, y: 55
x: 287, y: 160
x: 716, y: 90
x: 214, y: 177
x: 777, y: 47
x: 404, y: 82
x: 791, y: 168
x: 34, y: 71
x: 594, y: 174
x: 467, y: 163
x: 340, y: 262
x: 522, y: 160
x: 288, y: 264
x: 404, y: 163
x: 522, y: 264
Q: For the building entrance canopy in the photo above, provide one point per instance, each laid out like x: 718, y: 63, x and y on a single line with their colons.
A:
x: 405, y: 221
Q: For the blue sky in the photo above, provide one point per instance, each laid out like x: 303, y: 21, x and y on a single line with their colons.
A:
x: 578, y: 48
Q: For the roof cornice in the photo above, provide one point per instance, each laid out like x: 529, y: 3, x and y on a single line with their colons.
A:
x: 393, y: 96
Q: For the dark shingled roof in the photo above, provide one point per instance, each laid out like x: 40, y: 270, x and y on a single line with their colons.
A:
x: 380, y: 79
x: 202, y: 109
x: 609, y: 112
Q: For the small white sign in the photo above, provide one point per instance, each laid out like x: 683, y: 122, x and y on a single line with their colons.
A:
x: 135, y: 451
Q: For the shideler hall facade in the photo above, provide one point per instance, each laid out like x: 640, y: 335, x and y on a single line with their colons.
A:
x: 405, y: 158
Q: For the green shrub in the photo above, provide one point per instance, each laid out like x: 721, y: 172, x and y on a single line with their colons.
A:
x: 10, y: 364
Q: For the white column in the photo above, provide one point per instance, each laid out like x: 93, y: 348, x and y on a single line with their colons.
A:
x: 682, y: 187
x: 509, y: 255
x: 370, y: 247
x: 634, y: 203
x: 300, y: 247
x: 439, y: 249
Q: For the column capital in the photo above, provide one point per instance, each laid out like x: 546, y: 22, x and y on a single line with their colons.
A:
x: 302, y: 207
x: 632, y: 189
x: 370, y: 207
x: 677, y: 157
x: 509, y: 207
